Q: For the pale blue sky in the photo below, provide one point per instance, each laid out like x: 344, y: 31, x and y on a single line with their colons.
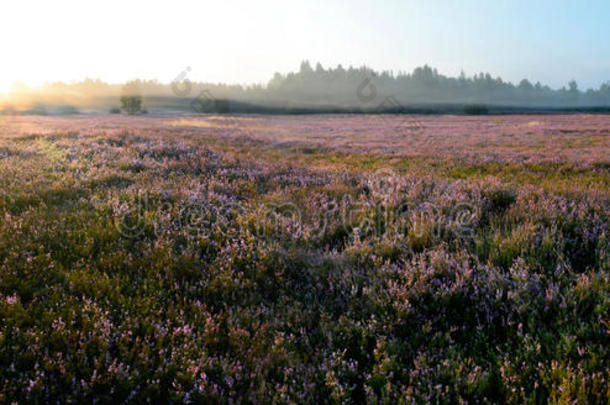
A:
x: 247, y: 41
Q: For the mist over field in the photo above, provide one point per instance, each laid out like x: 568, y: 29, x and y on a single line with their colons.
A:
x: 315, y: 89
x: 179, y: 224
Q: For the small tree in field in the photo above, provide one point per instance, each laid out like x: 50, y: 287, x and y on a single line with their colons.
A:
x: 131, y: 98
x: 131, y: 104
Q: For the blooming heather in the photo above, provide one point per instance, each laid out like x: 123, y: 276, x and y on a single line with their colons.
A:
x: 305, y: 259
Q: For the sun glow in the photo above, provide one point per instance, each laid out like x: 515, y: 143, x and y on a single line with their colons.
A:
x: 5, y: 87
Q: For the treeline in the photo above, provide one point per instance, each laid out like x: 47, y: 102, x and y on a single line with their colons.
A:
x: 423, y: 86
x: 316, y: 89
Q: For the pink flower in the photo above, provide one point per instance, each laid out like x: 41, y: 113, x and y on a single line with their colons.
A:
x: 12, y: 299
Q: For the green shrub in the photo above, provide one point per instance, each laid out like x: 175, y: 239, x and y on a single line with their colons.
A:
x: 476, y: 109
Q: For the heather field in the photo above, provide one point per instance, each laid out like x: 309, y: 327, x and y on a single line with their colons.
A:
x: 305, y: 259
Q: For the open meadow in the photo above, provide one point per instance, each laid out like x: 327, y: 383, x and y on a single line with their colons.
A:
x: 317, y: 258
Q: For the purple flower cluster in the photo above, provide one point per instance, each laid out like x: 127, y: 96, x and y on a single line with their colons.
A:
x: 317, y: 259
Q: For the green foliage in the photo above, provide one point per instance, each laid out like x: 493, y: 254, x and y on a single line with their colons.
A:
x: 142, y: 268
x: 131, y: 97
x: 131, y: 104
x: 476, y: 109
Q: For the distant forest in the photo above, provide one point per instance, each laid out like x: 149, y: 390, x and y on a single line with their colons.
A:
x: 316, y: 89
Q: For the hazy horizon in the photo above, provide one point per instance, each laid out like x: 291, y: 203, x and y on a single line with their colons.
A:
x: 187, y: 73
x: 238, y: 42
x: 313, y: 88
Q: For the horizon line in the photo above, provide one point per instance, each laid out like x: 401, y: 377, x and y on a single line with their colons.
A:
x: 265, y: 84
